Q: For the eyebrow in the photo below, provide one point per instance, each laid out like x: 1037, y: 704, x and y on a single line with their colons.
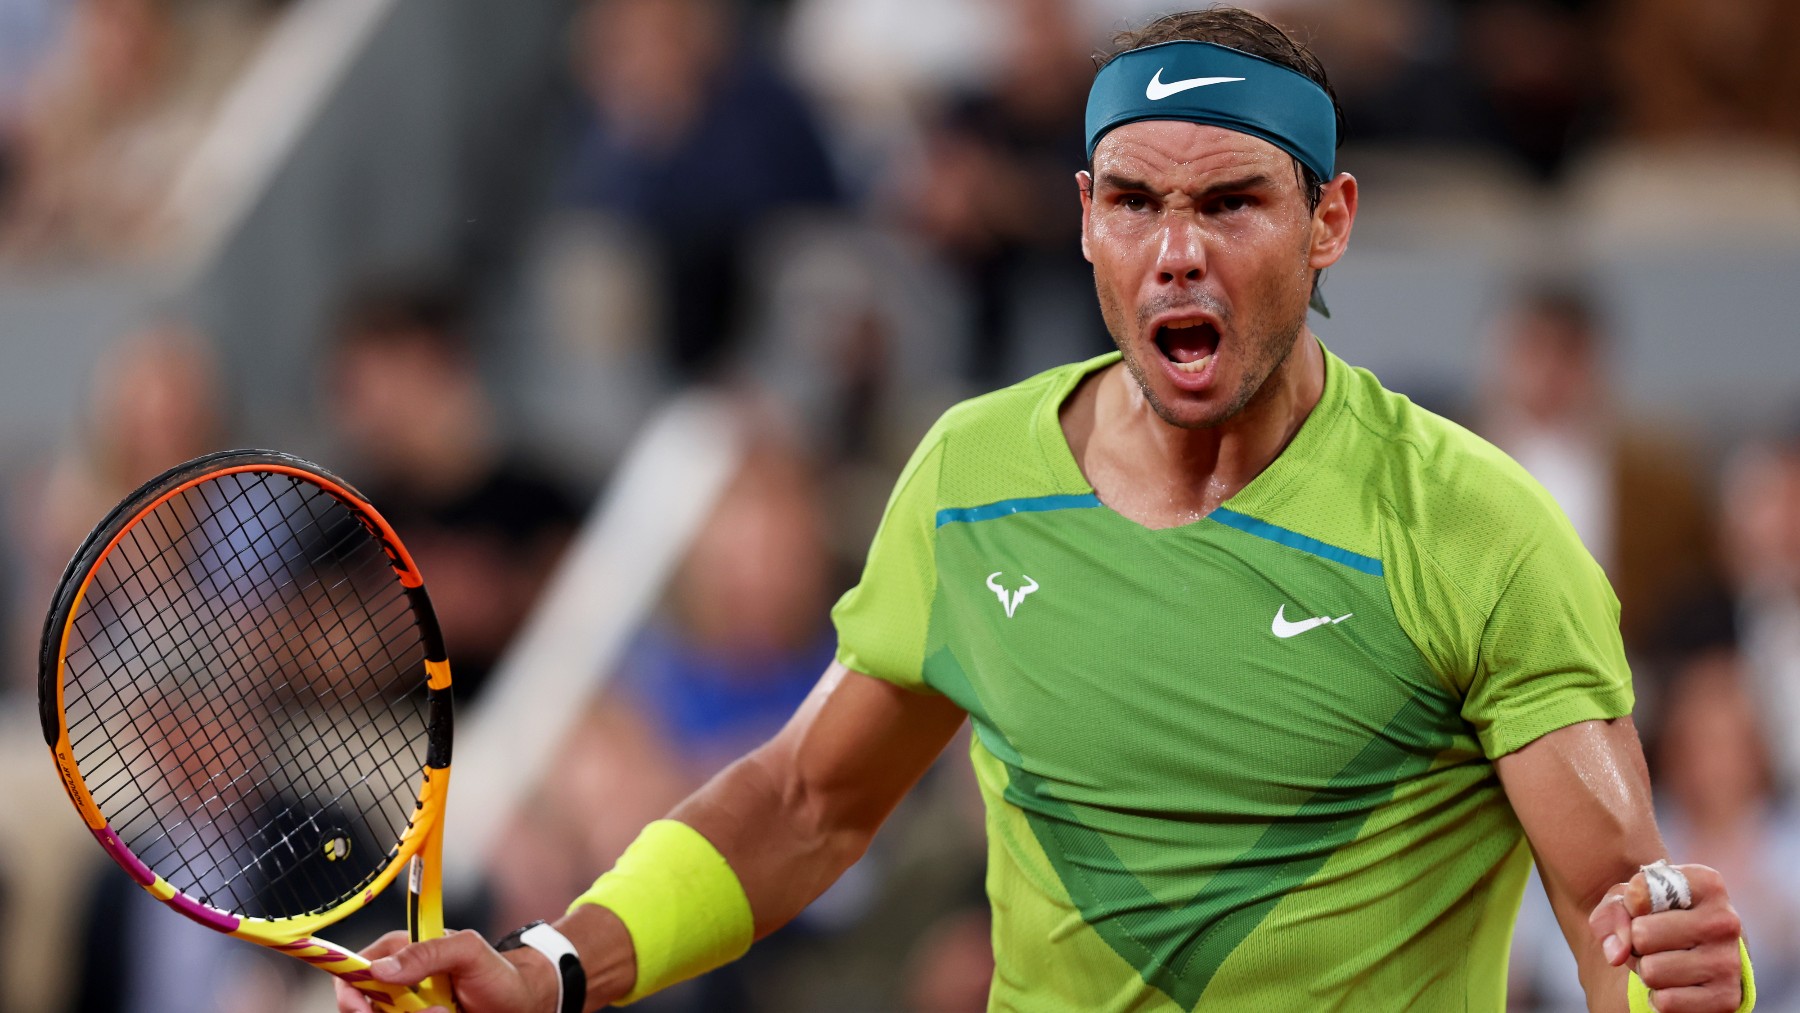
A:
x: 1254, y: 181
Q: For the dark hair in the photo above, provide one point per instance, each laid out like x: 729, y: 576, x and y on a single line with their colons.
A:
x: 1247, y: 33
x: 1567, y: 303
x: 385, y: 311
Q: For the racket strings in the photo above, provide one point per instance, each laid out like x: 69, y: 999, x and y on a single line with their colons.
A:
x: 208, y: 715
x: 278, y: 761
x: 267, y: 851
x: 262, y: 664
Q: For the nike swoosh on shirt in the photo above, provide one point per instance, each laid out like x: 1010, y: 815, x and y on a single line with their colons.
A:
x: 1284, y: 629
x: 1156, y: 91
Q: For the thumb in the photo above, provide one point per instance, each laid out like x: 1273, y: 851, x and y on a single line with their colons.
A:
x: 1610, y: 925
x: 415, y: 963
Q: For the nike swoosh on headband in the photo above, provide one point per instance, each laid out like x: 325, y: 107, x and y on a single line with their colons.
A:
x: 1156, y: 90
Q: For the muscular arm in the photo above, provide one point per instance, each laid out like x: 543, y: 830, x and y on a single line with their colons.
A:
x: 1583, y: 795
x: 792, y: 815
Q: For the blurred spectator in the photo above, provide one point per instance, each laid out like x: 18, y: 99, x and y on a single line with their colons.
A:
x: 1717, y: 806
x: 1538, y: 77
x: 743, y: 636
x: 154, y: 403
x: 996, y: 197
x: 136, y: 955
x: 1762, y: 538
x: 409, y: 406
x: 1549, y: 403
x: 693, y: 138
x: 28, y: 31
x: 1687, y: 70
x: 874, y: 63
x: 1520, y: 78
x: 952, y: 967
x: 1396, y: 66
x: 116, y: 111
x: 746, y: 632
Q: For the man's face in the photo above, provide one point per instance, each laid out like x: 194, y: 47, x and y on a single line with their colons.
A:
x: 1203, y: 251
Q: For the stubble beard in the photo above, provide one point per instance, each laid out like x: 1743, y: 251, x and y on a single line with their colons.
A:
x: 1269, y: 350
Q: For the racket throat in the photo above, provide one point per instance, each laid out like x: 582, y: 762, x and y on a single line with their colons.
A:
x: 415, y: 881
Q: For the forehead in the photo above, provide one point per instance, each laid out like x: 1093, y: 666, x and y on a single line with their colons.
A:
x: 1179, y: 153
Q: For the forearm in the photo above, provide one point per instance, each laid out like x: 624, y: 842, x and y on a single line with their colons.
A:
x: 1614, y: 859
x: 782, y: 856
x: 747, y: 852
x: 1583, y: 796
x: 781, y: 837
x: 599, y: 937
x: 1601, y: 982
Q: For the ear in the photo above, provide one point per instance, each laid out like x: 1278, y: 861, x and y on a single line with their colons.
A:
x: 1332, y: 221
x: 1084, y: 183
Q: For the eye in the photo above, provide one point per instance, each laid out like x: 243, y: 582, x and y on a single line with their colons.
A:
x: 1134, y: 202
x: 1235, y: 202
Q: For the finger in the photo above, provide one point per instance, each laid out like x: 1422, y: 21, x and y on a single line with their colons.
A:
x: 1637, y: 896
x: 349, y: 1000
x: 1713, y: 965
x: 1704, y: 882
x: 1610, y: 925
x: 445, y: 954
x: 388, y: 945
x: 1713, y: 922
x: 1696, y: 999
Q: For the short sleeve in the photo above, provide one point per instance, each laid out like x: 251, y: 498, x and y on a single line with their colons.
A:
x: 1549, y: 654
x: 881, y: 622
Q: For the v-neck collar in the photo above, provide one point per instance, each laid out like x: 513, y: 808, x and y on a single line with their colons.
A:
x: 1257, y: 498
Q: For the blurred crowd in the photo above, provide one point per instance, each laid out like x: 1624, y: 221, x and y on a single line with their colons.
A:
x: 849, y: 213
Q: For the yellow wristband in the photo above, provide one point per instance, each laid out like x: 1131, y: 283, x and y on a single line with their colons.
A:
x: 682, y: 905
x: 1640, y: 994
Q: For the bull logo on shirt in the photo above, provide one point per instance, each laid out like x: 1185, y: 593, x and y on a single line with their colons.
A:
x: 1009, y: 600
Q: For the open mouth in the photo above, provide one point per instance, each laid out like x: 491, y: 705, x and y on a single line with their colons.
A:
x: 1189, y: 344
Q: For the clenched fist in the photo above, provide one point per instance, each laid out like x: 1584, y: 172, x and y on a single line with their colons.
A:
x: 1688, y: 958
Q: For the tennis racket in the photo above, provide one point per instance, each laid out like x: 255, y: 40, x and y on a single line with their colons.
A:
x: 247, y: 697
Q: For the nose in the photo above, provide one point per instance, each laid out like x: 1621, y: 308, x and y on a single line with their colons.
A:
x: 1182, y: 254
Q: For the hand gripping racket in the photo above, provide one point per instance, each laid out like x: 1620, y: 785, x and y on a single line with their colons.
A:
x: 247, y: 697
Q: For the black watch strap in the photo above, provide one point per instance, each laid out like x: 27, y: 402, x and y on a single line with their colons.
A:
x: 571, y: 977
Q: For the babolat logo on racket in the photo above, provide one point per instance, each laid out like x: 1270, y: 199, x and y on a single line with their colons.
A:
x: 337, y: 848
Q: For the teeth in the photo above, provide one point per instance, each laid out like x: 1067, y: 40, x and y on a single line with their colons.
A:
x: 1182, y: 325
x: 1196, y: 366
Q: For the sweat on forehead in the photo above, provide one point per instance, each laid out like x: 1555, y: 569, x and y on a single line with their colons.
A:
x: 1202, y: 82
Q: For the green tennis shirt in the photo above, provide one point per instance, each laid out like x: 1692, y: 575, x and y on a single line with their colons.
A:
x: 1245, y: 763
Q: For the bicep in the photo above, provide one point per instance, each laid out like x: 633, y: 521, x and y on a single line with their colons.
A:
x: 1582, y: 793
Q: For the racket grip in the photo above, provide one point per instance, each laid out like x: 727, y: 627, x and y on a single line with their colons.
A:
x: 399, y: 998
x: 353, y: 968
x: 392, y: 998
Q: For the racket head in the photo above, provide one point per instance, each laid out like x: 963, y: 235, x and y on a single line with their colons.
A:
x: 246, y: 695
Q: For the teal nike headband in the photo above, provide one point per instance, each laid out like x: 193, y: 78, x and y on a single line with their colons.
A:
x: 1203, y: 82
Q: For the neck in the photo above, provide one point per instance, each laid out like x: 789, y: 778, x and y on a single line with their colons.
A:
x: 1162, y: 475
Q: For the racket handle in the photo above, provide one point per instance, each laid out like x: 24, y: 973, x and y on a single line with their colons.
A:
x: 425, y: 908
x: 353, y: 968
x: 394, y: 998
x: 397, y: 998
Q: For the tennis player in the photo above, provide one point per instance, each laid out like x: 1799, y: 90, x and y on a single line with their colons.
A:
x: 1278, y: 682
